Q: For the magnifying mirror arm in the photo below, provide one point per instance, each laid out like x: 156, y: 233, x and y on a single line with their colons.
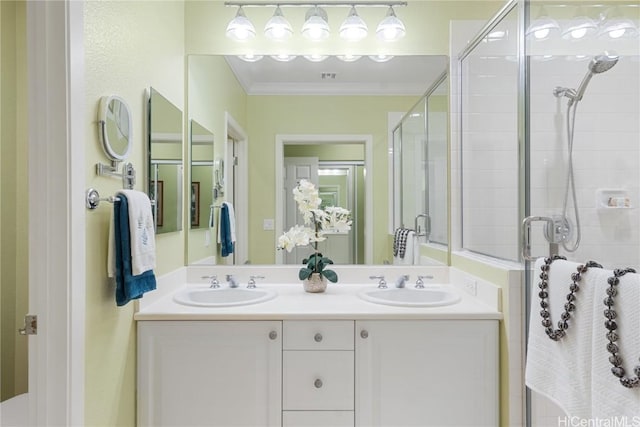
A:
x: 128, y: 173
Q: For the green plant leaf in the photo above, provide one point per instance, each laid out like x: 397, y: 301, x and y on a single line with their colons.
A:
x: 304, y: 273
x: 330, y: 275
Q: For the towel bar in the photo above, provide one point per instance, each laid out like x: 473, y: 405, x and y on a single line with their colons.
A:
x: 93, y: 199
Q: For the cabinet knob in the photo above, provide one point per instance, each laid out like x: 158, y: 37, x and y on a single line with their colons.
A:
x: 318, y: 383
x: 318, y: 337
x: 364, y: 333
x: 273, y: 335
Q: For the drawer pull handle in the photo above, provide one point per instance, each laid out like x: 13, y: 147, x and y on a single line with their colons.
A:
x: 318, y: 337
x: 273, y: 335
x: 364, y: 333
x: 318, y: 383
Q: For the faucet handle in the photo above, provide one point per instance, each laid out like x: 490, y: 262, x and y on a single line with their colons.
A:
x: 382, y: 284
x: 251, y: 284
x: 420, y: 282
x: 213, y: 280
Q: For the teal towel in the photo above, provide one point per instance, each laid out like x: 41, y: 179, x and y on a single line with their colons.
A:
x: 226, y: 241
x: 128, y: 286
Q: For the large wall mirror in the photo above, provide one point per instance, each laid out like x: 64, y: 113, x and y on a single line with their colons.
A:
x: 165, y: 162
x: 320, y: 102
x: 201, y: 207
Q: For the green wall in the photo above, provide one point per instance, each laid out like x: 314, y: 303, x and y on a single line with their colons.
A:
x: 14, y: 199
x: 129, y: 47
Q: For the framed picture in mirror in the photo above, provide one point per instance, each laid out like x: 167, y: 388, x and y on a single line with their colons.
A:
x: 195, y: 204
x: 158, y: 200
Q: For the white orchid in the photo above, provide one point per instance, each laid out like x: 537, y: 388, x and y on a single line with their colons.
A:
x: 307, y: 198
x: 297, y: 235
x: 329, y: 219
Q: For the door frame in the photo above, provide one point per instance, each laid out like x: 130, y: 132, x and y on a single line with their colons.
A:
x: 241, y: 188
x: 56, y: 173
x: 316, y: 139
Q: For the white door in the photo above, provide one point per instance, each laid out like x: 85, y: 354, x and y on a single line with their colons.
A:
x: 296, y: 169
x: 209, y: 373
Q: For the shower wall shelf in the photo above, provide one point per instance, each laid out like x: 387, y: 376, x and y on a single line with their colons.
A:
x: 613, y: 199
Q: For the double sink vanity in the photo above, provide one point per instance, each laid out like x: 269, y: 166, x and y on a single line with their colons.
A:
x: 355, y: 355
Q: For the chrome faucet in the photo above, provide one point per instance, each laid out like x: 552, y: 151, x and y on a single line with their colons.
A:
x: 213, y: 280
x: 231, y: 281
x: 400, y: 281
x: 251, y: 284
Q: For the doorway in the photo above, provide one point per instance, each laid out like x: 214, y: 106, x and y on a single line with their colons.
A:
x: 354, y: 166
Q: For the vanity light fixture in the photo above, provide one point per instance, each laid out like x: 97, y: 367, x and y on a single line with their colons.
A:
x: 240, y: 28
x: 250, y: 57
x: 283, y: 57
x: 381, y: 58
x: 616, y: 26
x: 349, y: 57
x: 579, y: 27
x: 353, y: 28
x: 278, y: 28
x: 316, y: 25
x: 391, y: 28
x: 316, y: 57
x: 543, y: 26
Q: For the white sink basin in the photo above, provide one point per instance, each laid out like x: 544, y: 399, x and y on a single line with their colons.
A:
x: 431, y: 296
x: 222, y: 297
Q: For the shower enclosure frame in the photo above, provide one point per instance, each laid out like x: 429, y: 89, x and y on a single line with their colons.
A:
x: 523, y: 113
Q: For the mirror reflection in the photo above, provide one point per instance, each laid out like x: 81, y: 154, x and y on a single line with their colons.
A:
x: 420, y: 164
x: 114, y: 118
x: 202, y: 190
x: 165, y: 162
x: 271, y: 101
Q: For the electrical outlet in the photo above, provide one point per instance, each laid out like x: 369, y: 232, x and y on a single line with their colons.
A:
x: 470, y: 285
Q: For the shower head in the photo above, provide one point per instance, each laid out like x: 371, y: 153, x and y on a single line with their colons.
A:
x: 599, y: 64
x: 602, y: 63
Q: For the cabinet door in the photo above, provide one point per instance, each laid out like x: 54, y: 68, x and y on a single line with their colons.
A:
x: 427, y: 373
x: 209, y: 373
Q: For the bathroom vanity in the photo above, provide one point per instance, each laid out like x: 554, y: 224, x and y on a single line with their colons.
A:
x: 328, y: 359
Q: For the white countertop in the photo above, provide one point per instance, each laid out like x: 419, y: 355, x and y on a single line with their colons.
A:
x: 339, y: 301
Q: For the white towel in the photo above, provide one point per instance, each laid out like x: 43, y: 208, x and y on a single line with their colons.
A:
x: 143, y: 243
x: 561, y: 370
x: 609, y: 398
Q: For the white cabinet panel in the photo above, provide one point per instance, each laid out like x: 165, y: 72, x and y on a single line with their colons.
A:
x: 317, y: 419
x: 427, y: 373
x: 194, y: 373
x: 317, y: 335
x: 317, y: 380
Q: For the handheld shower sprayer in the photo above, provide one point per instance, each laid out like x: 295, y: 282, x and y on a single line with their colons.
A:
x: 599, y: 64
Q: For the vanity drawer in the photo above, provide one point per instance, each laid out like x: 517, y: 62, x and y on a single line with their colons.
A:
x: 317, y: 419
x: 317, y: 380
x: 317, y: 335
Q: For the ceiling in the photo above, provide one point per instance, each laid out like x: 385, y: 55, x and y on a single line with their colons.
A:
x: 402, y: 75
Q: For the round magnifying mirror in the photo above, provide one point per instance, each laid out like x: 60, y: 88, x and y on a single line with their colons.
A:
x: 114, y: 127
